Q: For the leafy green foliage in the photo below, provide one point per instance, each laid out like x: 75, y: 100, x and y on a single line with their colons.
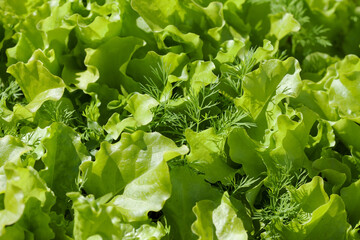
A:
x: 193, y: 119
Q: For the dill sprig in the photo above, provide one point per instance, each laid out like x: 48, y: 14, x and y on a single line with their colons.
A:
x: 281, y: 207
x: 199, y: 105
x: 91, y: 130
x: 229, y: 119
x: 309, y: 38
x: 11, y: 93
x: 240, y: 184
x: 201, y: 109
x: 155, y: 85
x: 239, y: 68
x: 57, y: 113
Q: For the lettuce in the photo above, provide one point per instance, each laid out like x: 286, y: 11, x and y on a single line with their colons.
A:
x: 179, y: 119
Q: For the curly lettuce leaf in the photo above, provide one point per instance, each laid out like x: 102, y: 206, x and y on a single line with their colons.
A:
x: 64, y: 154
x: 271, y: 82
x: 206, y: 155
x: 135, y: 171
x: 37, y: 83
x: 188, y: 188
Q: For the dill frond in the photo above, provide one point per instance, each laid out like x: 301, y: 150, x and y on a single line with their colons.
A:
x: 229, y: 119
x: 199, y: 105
x: 239, y: 68
x: 281, y: 207
x: 57, y: 113
x: 155, y: 85
x: 309, y: 38
x: 11, y: 93
x: 241, y: 184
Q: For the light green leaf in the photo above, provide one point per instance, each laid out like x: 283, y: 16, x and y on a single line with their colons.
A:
x: 64, y: 153
x: 187, y: 189
x: 351, y: 196
x: 315, y: 96
x: 135, y: 167
x: 201, y: 75
x: 96, y: 220
x: 228, y: 225
x: 311, y: 195
x: 291, y: 139
x: 219, y: 222
x: 114, y: 127
x: 158, y: 14
x: 325, y: 138
x: 103, y: 95
x: 28, y: 37
x: 282, y: 24
x: 156, y: 73
x: 181, y: 43
x: 326, y: 7
x: 344, y: 91
x: 273, y: 81
x: 327, y: 221
x: 140, y: 105
x: 336, y: 172
x: 11, y: 149
x: 206, y: 155
x: 229, y: 50
x: 203, y: 226
x: 245, y: 151
x: 34, y: 223
x: 37, y: 83
x: 21, y: 185
x: 111, y: 59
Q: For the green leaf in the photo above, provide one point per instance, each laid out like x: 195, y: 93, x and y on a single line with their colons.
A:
x: 115, y: 126
x: 207, y: 156
x: 348, y: 131
x: 173, y: 40
x: 102, y: 95
x: 203, y: 226
x: 37, y: 83
x: 325, y: 138
x: 336, y: 172
x: 201, y: 75
x: 22, y: 184
x: 64, y: 154
x: 245, y: 151
x: 350, y: 196
x: 273, y: 81
x: 228, y: 225
x: 62, y: 228
x: 188, y: 188
x: 11, y: 149
x: 315, y: 96
x: 282, y: 24
x: 28, y: 37
x: 96, y: 220
x: 344, y: 91
x: 186, y: 17
x: 135, y: 168
x: 143, y: 69
x: 327, y: 221
x: 311, y: 195
x: 291, y: 139
x: 229, y: 50
x: 34, y: 223
x: 111, y: 60
x: 219, y: 222
x: 140, y: 105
